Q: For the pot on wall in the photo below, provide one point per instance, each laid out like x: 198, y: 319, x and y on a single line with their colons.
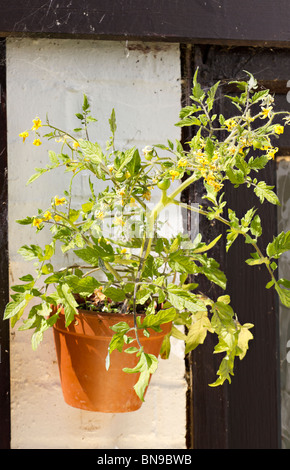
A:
x: 82, y: 348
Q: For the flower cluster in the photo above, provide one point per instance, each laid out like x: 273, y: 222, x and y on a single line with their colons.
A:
x: 37, y: 123
x: 47, y: 215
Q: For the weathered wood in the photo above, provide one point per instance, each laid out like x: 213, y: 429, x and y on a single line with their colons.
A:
x: 245, y: 414
x: 211, y: 21
x: 4, y: 284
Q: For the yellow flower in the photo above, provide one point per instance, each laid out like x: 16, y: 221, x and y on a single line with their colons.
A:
x: 210, y: 179
x: 230, y: 123
x: 57, y: 218
x: 36, y: 124
x: 271, y: 152
x: 110, y: 168
x: 266, y: 146
x: 122, y: 192
x: 279, y: 129
x: 24, y: 135
x: 174, y: 174
x: 182, y: 162
x: 100, y: 215
x: 59, y: 201
x: 76, y: 145
x: 147, y: 195
x: 47, y: 215
x: 36, y: 222
x: 37, y: 142
x: 132, y: 202
x: 265, y: 112
x: 119, y: 221
x: 123, y: 251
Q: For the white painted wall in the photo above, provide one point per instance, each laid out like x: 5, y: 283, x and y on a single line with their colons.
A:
x: 142, y: 82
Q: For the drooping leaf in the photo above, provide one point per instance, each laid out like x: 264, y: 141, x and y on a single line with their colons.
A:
x: 279, y: 245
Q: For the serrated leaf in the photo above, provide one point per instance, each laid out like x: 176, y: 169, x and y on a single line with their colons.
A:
x: 67, y: 300
x: 236, y: 177
x: 243, y: 339
x: 183, y: 300
x: 258, y: 163
x: 263, y: 191
x: 279, y: 245
x: 284, y: 295
x: 188, y: 121
x: 84, y: 286
x: 30, y: 252
x: 161, y: 317
x: 147, y: 365
x: 92, y: 151
x: 256, y: 227
x: 16, y: 307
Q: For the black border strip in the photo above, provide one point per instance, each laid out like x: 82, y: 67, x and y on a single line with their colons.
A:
x: 4, y: 262
x: 199, y: 21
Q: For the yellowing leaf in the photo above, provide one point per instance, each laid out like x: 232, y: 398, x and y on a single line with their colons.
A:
x: 243, y: 340
x: 197, y: 331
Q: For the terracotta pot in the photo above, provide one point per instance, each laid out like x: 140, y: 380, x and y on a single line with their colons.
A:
x: 81, y: 352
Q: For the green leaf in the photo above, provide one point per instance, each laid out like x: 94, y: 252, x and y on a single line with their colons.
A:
x: 197, y: 92
x: 147, y: 365
x: 211, y: 95
x: 256, y: 227
x: 115, y: 294
x: 126, y: 158
x: 92, y: 151
x: 209, y: 147
x: 224, y: 372
x: 30, y: 252
x: 161, y: 317
x: 183, y: 300
x: 279, y: 245
x: 26, y: 221
x: 121, y: 327
x: 188, y: 121
x: 259, y: 95
x: 258, y: 163
x: 117, y: 342
x: 112, y: 122
x: 67, y: 300
x: 134, y: 164
x: 92, y: 254
x: 210, y: 269
x: 256, y: 261
x: 236, y: 177
x: 34, y: 177
x: 263, y: 191
x: 205, y: 247
x: 84, y: 286
x: 284, y: 295
x: 181, y: 263
x: 16, y: 307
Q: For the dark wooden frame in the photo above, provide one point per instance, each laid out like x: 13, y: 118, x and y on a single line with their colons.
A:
x: 230, y: 22
x: 199, y: 21
x: 4, y: 263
